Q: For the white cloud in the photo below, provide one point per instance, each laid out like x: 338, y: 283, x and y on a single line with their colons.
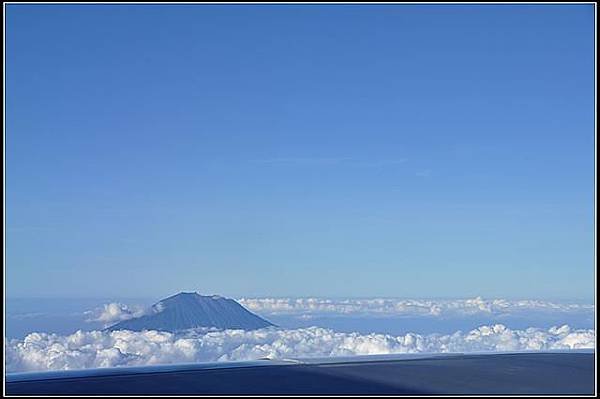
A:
x: 330, y: 161
x: 114, y: 312
x: 41, y: 351
x: 404, y: 307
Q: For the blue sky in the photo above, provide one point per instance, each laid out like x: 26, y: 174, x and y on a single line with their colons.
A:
x: 409, y: 151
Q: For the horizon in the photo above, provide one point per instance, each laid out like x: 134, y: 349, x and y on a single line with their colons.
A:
x: 207, y: 293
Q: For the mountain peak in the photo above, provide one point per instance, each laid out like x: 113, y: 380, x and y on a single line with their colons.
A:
x: 191, y: 310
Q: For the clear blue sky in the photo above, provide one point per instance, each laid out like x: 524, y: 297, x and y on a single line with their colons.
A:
x: 412, y: 151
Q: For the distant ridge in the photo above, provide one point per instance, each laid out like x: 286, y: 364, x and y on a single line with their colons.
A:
x: 192, y: 310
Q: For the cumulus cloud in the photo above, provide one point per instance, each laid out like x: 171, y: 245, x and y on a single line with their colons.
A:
x: 404, y: 307
x: 112, y: 313
x: 92, y: 349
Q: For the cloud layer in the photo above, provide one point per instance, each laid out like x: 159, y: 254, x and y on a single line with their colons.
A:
x: 41, y: 351
x: 112, y: 313
x: 404, y: 307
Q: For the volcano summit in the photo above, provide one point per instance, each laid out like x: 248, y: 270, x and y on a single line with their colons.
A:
x: 192, y: 310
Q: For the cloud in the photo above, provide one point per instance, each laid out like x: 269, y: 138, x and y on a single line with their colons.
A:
x: 329, y: 161
x: 304, y: 161
x: 93, y: 349
x: 404, y: 307
x: 25, y: 316
x: 112, y: 313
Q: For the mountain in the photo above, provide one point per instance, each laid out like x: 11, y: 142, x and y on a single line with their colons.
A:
x: 190, y: 310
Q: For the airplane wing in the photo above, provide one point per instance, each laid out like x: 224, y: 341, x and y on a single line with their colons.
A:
x: 523, y: 373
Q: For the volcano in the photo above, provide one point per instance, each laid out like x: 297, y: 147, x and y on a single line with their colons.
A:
x: 192, y: 310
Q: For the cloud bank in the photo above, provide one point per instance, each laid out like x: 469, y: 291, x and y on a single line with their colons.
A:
x: 112, y: 313
x: 404, y: 307
x: 41, y: 351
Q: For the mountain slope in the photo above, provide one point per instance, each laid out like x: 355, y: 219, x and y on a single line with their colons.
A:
x: 191, y: 310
